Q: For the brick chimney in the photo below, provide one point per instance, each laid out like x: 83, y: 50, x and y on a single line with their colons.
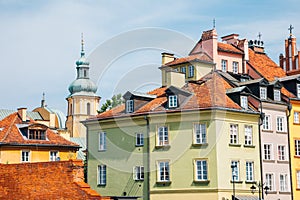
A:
x: 231, y: 39
x: 22, y: 113
x: 257, y: 46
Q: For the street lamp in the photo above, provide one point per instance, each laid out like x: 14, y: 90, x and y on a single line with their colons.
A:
x: 261, y: 188
x: 233, y: 167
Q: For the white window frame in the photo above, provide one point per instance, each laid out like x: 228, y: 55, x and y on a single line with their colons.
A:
x: 224, y: 65
x: 26, y: 157
x: 173, y: 101
x: 269, y: 177
x: 102, y: 141
x: 244, y: 102
x: 191, y: 71
x: 235, y: 67
x: 183, y: 70
x: 280, y: 124
x: 200, y: 133
x: 281, y: 150
x: 201, y: 170
x: 163, y: 136
x: 53, y: 157
x: 138, y: 173
x: 268, y: 152
x: 163, y: 171
x: 249, y: 171
x: 263, y: 93
x: 267, y: 122
x: 101, y: 175
x: 297, y: 147
x: 298, y: 179
x: 296, y: 117
x: 298, y: 91
x: 129, y: 106
x: 235, y: 172
x: 248, y: 135
x: 139, y: 139
x: 283, y: 182
x: 234, y: 134
x: 277, y: 95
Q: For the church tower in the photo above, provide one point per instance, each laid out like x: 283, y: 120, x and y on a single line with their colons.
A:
x: 82, y: 101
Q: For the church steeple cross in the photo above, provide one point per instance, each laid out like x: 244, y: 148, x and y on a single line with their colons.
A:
x: 291, y: 29
x: 259, y: 36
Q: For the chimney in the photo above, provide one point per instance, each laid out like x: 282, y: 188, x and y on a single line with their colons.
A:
x: 257, y: 46
x: 22, y: 114
x: 209, y: 42
x: 231, y: 39
x: 167, y: 57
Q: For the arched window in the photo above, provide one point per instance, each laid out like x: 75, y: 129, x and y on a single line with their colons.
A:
x: 88, y: 109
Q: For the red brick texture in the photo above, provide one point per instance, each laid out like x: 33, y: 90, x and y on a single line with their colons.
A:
x: 45, y: 180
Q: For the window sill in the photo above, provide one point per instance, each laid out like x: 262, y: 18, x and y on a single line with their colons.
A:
x: 249, y: 146
x: 250, y: 182
x: 266, y: 130
x: 236, y: 182
x: 235, y: 145
x: 101, y: 185
x: 281, y: 132
x: 269, y: 161
x: 297, y: 156
x: 283, y: 161
x: 102, y: 150
x: 164, y: 183
x: 296, y: 123
x: 200, y: 144
x: 139, y: 145
x: 281, y: 192
x: 272, y: 192
x: 167, y: 146
x: 201, y: 181
x: 138, y: 180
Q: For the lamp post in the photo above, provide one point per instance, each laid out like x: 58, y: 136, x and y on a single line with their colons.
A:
x: 261, y: 188
x: 233, y: 166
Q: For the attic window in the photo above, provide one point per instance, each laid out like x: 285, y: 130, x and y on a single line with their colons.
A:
x: 263, y: 93
x: 244, y: 102
x: 277, y: 95
x: 129, y: 106
x: 191, y: 71
x: 235, y: 67
x: 173, y: 103
x: 37, y: 134
x: 298, y: 91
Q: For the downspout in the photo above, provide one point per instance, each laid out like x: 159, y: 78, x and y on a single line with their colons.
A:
x: 289, y: 146
x: 262, y: 116
x: 148, y: 155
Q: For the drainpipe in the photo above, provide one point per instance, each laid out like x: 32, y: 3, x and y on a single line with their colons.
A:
x: 289, y: 146
x: 260, y: 148
x: 148, y: 155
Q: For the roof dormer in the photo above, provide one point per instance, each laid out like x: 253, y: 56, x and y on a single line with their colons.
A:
x: 135, y: 100
x: 240, y: 96
x: 33, y: 131
x: 175, y: 97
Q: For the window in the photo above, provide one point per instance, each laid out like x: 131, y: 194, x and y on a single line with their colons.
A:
x: 183, y: 70
x: 101, y: 174
x: 297, y: 147
x: 280, y: 127
x: 200, y: 170
x: 266, y: 122
x: 235, y: 67
x: 173, y: 101
x: 249, y: 171
x: 233, y: 134
x: 263, y: 92
x: 224, y: 65
x: 267, y: 151
x: 298, y: 90
x: 281, y: 152
x: 248, y: 135
x: 37, y: 134
x: 88, y: 109
x: 54, y: 156
x: 102, y: 141
x: 298, y: 179
x: 296, y: 117
x: 244, y: 102
x: 277, y: 95
x: 25, y: 156
x: 163, y: 171
x: 129, y: 106
x: 163, y: 138
x: 200, y: 133
x: 235, y: 170
x: 270, y: 181
x: 139, y: 139
x: 283, y: 182
x: 138, y: 173
x: 191, y: 71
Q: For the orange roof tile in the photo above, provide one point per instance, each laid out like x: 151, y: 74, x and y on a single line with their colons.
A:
x: 10, y: 134
x: 195, y: 57
x: 228, y: 48
x: 265, y: 66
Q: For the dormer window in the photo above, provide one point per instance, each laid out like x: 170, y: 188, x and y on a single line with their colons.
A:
x: 129, y: 106
x: 298, y: 91
x: 173, y: 102
x: 277, y: 95
x: 37, y: 134
x: 191, y: 71
x: 263, y: 93
x: 244, y: 102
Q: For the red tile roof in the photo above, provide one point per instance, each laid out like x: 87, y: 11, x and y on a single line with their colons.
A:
x: 10, y: 134
x: 229, y: 48
x: 195, y: 57
x: 265, y: 66
x: 45, y: 180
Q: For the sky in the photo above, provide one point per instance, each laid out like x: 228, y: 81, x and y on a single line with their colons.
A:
x: 123, y: 40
